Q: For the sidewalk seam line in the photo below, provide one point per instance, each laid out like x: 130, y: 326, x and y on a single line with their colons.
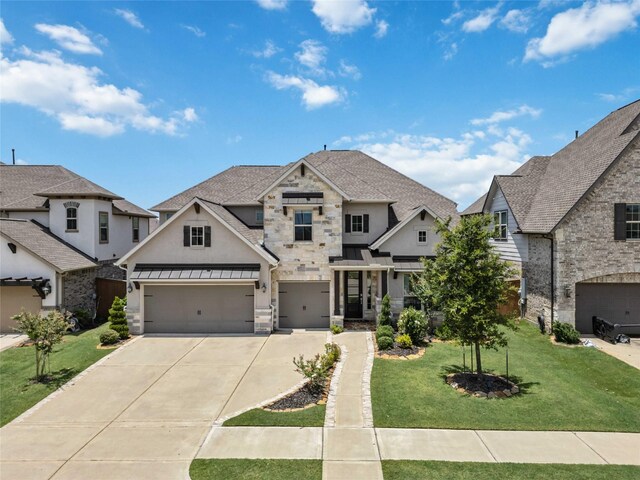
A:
x: 486, y: 446
x: 575, y: 434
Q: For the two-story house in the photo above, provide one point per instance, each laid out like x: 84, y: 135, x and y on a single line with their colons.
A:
x: 59, y: 232
x: 304, y: 245
x: 571, y: 223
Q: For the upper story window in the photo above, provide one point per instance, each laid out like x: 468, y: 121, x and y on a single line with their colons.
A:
x: 259, y: 217
x: 135, y: 229
x: 197, y: 236
x: 72, y: 219
x: 356, y: 224
x: 103, y: 226
x: 302, y: 225
x: 632, y: 218
x: 500, y: 225
x: 422, y: 237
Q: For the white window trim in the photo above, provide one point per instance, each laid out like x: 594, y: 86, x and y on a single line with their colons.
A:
x: 191, y: 244
x: 134, y: 228
x: 71, y: 218
x: 498, y: 226
x: 302, y: 225
x: 100, y: 214
x: 361, y: 231
x: 426, y: 237
x: 627, y: 222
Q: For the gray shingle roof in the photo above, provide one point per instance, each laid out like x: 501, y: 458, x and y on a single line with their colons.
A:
x: 41, y: 242
x: 124, y: 206
x: 253, y: 235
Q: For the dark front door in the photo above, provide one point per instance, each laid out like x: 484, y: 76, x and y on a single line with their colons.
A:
x: 353, y: 295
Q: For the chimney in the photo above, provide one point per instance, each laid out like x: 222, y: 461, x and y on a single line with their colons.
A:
x: 325, y: 147
x: 576, y: 133
x: 13, y: 154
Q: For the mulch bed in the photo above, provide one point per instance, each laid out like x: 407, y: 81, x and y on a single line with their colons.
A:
x: 486, y: 385
x: 359, y: 325
x: 397, y: 353
x: 298, y: 400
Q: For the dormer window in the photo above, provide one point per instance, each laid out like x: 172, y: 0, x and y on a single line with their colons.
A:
x: 500, y: 225
x: 72, y: 219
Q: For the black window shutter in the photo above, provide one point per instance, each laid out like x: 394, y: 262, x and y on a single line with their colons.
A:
x: 207, y: 236
x: 620, y: 221
x: 347, y: 223
x: 365, y: 223
x: 187, y: 235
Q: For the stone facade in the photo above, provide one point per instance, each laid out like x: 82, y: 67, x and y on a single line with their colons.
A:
x: 107, y: 269
x: 537, y: 272
x: 79, y: 290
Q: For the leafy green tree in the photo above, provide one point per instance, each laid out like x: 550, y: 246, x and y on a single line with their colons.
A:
x: 384, y: 317
x: 118, y: 317
x: 467, y: 281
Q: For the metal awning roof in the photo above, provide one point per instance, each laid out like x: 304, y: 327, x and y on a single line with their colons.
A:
x: 248, y: 271
x: 359, y: 256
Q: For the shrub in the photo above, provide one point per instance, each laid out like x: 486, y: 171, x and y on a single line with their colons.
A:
x: 384, y: 331
x: 331, y: 355
x: 84, y: 317
x: 404, y: 341
x: 336, y: 329
x: 384, y: 317
x: 565, y: 333
x: 314, y: 370
x: 414, y: 323
x: 385, y: 343
x: 118, y: 318
x: 109, y: 337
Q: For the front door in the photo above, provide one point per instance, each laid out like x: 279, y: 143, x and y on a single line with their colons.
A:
x: 353, y: 295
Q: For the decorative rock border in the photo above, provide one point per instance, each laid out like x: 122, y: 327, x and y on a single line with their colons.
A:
x: 330, y: 412
x: 367, y: 410
x: 507, y: 392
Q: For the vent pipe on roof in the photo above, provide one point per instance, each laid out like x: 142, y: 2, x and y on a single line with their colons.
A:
x: 576, y: 133
x: 13, y: 154
x: 325, y: 147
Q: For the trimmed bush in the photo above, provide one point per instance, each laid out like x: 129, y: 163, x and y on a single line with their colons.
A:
x: 384, y: 331
x: 331, y: 355
x: 118, y: 318
x: 385, y: 343
x: 565, y: 333
x: 404, y: 341
x: 109, y: 337
x: 384, y: 317
x: 414, y: 323
x: 337, y: 329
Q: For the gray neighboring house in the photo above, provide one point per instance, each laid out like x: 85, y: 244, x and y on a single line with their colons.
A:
x: 49, y: 210
x: 304, y: 245
x: 571, y: 223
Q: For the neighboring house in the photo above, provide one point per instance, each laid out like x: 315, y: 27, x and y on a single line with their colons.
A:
x: 65, y: 213
x: 305, y: 245
x: 571, y: 222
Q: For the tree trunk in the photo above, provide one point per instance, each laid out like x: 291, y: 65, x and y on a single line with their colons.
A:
x: 478, y: 361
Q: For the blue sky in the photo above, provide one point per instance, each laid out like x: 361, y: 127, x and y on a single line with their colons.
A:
x: 148, y: 98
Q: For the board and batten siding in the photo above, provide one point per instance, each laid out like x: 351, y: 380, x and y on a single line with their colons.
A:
x: 516, y: 247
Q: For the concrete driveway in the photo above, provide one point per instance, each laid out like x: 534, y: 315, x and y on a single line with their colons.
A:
x: 144, y: 411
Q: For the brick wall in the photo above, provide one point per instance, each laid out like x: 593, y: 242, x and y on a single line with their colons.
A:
x: 79, y: 290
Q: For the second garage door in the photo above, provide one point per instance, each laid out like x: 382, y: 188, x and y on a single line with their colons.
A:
x: 615, y: 302
x: 304, y: 305
x: 12, y: 301
x: 198, y: 309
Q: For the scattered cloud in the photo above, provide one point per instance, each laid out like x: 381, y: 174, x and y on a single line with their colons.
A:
x: 503, y: 116
x: 587, y: 26
x: 451, y: 51
x: 273, y: 4
x: 482, y: 21
x: 341, y: 17
x: 516, y: 21
x: 76, y: 97
x: 312, y: 55
x: 195, y: 30
x: 270, y: 49
x: 620, y: 97
x: 313, y: 95
x: 234, y: 139
x: 129, y: 17
x: 69, y: 38
x: 348, y: 70
x: 5, y: 36
x: 382, y: 27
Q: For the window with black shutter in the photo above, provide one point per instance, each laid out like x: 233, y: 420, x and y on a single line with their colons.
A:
x: 347, y: 223
x: 620, y: 221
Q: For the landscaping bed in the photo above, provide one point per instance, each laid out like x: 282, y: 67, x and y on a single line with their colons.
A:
x: 486, y: 386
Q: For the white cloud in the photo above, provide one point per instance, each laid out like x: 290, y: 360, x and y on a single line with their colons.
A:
x: 348, y: 70
x: 69, y: 38
x: 517, y: 21
x: 382, y: 27
x: 195, y: 30
x: 312, y: 55
x: 313, y: 95
x: 342, y: 17
x: 482, y: 21
x: 451, y: 51
x: 273, y: 4
x: 270, y: 49
x: 129, y: 17
x: 587, y: 26
x: 75, y: 96
x: 5, y: 36
x: 234, y: 139
x: 620, y: 97
x: 503, y: 116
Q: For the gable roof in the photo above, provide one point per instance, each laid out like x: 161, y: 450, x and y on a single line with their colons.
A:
x: 22, y: 187
x: 37, y: 239
x: 545, y: 189
x: 396, y: 228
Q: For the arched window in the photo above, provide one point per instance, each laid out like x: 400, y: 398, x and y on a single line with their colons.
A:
x: 72, y: 218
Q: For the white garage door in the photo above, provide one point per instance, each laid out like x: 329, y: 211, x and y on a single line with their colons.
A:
x: 12, y: 301
x: 198, y: 309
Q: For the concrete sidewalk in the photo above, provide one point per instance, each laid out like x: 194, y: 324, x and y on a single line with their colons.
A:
x: 8, y: 340
x: 626, y: 352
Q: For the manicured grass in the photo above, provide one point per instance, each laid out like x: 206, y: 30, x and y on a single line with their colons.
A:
x: 401, y: 470
x: 309, y: 417
x: 210, y: 469
x: 17, y: 369
x: 561, y: 389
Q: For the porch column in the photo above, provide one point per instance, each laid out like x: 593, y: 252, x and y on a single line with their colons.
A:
x: 336, y: 292
x: 385, y: 281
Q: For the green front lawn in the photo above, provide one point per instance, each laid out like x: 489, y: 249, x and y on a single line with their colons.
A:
x: 401, y: 470
x: 225, y: 469
x: 17, y: 368
x: 309, y: 417
x: 561, y: 389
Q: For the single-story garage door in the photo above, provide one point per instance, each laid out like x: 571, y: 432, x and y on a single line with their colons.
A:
x: 12, y: 301
x: 615, y: 302
x: 304, y: 305
x: 198, y: 308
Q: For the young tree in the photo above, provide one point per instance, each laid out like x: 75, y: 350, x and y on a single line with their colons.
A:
x: 45, y: 332
x: 467, y: 282
x: 118, y: 317
x: 384, y: 317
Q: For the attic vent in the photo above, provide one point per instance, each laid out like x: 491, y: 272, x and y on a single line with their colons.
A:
x: 634, y: 126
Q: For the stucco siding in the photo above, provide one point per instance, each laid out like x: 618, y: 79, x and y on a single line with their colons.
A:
x: 378, y: 221
x: 247, y: 214
x: 405, y: 240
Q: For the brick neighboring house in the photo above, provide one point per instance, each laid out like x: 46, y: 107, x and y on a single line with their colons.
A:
x: 571, y: 222
x: 304, y: 245
x: 61, y: 231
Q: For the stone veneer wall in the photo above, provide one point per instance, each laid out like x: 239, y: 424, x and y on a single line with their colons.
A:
x: 537, y: 271
x: 79, y: 289
x: 302, y: 261
x: 107, y: 269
